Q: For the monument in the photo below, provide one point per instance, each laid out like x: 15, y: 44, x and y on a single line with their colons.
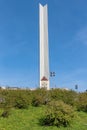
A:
x: 44, y: 48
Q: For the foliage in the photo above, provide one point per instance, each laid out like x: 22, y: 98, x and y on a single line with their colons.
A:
x: 37, y: 101
x: 15, y: 98
x: 5, y: 113
x: 28, y: 119
x: 21, y: 101
x: 40, y: 97
x: 82, y: 102
x: 24, y: 98
x: 58, y: 114
x: 67, y: 96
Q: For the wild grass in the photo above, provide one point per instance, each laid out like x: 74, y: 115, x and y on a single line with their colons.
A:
x: 28, y: 119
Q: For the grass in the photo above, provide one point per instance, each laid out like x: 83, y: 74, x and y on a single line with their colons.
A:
x: 29, y: 120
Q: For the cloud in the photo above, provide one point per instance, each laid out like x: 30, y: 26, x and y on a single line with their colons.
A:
x: 81, y: 36
x: 82, y: 85
x: 70, y: 79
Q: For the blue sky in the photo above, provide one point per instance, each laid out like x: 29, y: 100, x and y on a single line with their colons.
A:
x: 19, y: 42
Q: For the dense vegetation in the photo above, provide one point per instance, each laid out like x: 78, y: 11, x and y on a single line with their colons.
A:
x: 58, y: 108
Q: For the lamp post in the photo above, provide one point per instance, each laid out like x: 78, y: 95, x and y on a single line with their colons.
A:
x: 76, y: 87
x: 52, y: 74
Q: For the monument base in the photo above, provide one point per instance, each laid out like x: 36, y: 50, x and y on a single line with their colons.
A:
x: 44, y: 83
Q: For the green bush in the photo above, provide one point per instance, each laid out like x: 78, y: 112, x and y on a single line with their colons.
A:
x: 21, y: 102
x: 40, y: 97
x: 5, y: 113
x: 67, y: 96
x: 82, y: 102
x: 15, y: 98
x: 58, y: 114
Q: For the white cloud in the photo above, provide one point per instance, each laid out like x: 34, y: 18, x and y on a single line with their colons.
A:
x: 70, y: 79
x: 81, y: 36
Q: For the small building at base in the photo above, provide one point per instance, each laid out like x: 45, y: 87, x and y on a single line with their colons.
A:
x: 44, y: 83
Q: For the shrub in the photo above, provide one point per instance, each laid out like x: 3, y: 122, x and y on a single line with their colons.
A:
x: 21, y: 102
x: 82, y: 102
x: 15, y: 98
x: 36, y: 101
x: 58, y: 114
x: 67, y: 96
x: 40, y: 97
x: 5, y: 113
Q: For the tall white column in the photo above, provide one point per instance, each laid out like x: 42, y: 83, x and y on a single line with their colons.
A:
x: 44, y: 49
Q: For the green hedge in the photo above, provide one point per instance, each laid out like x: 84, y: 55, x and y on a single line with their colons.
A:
x: 58, y: 114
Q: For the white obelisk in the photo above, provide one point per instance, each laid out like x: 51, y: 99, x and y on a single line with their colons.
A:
x: 44, y: 49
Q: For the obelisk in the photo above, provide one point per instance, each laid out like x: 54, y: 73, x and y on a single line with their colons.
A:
x: 44, y: 49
